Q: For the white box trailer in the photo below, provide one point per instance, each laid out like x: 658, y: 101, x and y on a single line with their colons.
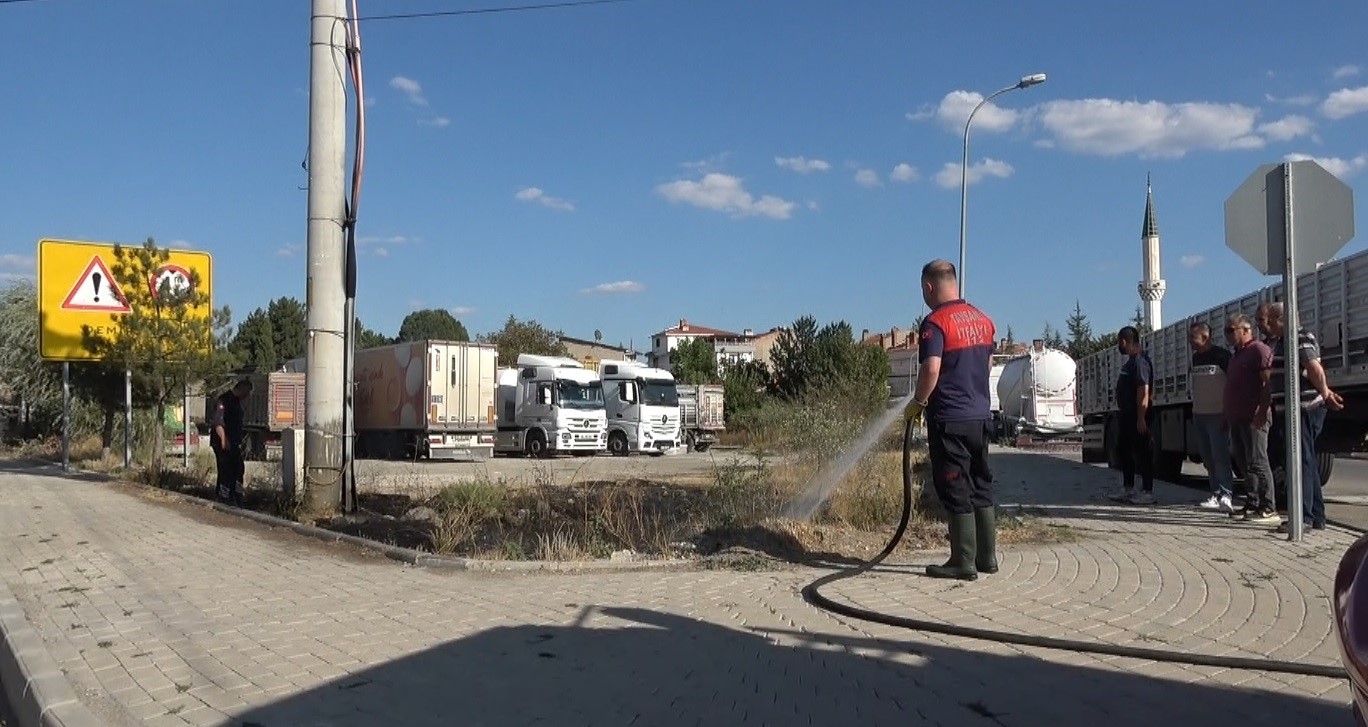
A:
x: 424, y: 399
x: 1333, y: 304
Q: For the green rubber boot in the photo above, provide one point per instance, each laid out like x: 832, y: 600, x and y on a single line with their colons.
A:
x: 962, y: 539
x: 985, y: 528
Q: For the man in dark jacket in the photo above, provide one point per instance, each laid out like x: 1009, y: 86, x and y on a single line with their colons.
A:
x: 955, y: 350
x: 1134, y: 385
x: 226, y: 437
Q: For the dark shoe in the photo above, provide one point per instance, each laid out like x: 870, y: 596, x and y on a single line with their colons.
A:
x: 1318, y: 525
x: 962, y: 551
x: 985, y: 532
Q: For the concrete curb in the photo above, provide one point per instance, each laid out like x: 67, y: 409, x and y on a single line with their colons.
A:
x: 35, y: 686
x: 407, y: 556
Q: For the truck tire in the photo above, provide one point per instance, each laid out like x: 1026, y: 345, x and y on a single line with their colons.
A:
x: 702, y: 446
x: 1168, y: 466
x: 536, y: 445
x: 617, y: 444
x: 1327, y: 467
x: 1111, y: 441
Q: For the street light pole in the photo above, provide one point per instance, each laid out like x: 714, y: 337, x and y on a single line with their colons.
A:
x: 1025, y: 82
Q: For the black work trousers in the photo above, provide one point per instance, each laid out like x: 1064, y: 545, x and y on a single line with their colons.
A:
x: 231, y: 469
x: 1136, y: 453
x: 959, y: 464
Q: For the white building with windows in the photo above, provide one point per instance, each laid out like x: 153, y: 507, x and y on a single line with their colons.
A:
x: 732, y: 348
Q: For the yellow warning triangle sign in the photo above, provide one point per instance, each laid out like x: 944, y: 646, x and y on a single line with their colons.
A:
x: 96, y: 290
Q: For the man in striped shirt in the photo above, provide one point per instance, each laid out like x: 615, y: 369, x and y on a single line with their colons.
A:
x: 1314, y: 396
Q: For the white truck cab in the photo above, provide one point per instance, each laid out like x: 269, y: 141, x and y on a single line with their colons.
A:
x: 642, y: 405
x: 549, y: 404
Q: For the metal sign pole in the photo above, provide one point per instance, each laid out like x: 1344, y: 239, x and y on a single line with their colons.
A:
x: 66, y: 416
x: 185, y: 428
x: 1292, y: 474
x: 128, y: 418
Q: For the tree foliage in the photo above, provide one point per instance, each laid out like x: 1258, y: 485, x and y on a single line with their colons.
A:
x: 695, y: 362
x: 367, y: 338
x: 270, y: 336
x: 1052, y: 337
x: 744, y: 386
x: 808, y: 360
x: 519, y: 337
x: 29, y: 380
x: 166, y: 338
x: 433, y: 324
x: 1080, y: 339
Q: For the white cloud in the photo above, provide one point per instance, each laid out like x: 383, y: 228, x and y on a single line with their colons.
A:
x: 415, y: 304
x: 532, y: 194
x: 289, y: 249
x: 440, y: 122
x: 802, y: 165
x: 1150, y: 129
x: 1305, y: 99
x: 955, y: 108
x: 178, y: 245
x: 725, y: 193
x: 461, y: 310
x: 14, y: 260
x: 380, y: 246
x: 712, y: 162
x: 1288, y: 127
x: 868, y: 178
x: 1346, y: 71
x: 812, y: 205
x: 1342, y: 168
x: 410, y: 88
x: 949, y: 175
x: 15, y: 277
x: 904, y: 173
x: 1191, y: 261
x: 621, y: 286
x: 1346, y: 102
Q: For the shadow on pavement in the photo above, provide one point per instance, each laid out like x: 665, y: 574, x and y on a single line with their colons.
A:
x: 628, y: 666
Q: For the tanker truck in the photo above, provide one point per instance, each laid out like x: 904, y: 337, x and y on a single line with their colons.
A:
x: 1037, y: 396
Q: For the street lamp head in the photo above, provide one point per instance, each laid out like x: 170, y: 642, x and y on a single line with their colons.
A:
x: 1031, y: 80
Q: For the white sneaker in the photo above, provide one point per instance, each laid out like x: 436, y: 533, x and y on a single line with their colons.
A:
x: 1226, y: 505
x: 1211, y: 503
x: 1143, y: 498
x: 1121, y: 495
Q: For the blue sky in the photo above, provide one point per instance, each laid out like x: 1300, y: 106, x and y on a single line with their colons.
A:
x: 735, y: 162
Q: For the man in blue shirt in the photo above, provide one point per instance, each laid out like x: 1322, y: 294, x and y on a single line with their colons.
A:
x: 1134, y: 386
x: 955, y: 349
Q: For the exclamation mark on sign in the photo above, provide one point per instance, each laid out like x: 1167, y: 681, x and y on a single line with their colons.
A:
x: 95, y: 280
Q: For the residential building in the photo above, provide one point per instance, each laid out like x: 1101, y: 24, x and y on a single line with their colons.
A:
x: 590, y: 353
x: 764, y: 345
x: 731, y: 348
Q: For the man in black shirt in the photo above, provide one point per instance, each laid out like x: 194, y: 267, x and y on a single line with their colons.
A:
x: 1133, y: 387
x: 226, y: 439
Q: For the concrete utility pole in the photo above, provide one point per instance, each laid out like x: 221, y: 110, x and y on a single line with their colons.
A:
x: 324, y: 356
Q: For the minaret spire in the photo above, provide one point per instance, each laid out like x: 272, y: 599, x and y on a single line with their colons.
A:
x: 1152, y: 286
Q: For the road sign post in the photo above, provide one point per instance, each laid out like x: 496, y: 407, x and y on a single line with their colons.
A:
x: 78, y: 294
x: 1288, y: 219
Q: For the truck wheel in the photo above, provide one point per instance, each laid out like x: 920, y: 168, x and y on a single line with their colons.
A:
x: 617, y: 444
x: 536, y: 445
x: 1327, y: 467
x: 1168, y: 466
x: 1111, y: 441
x: 702, y: 446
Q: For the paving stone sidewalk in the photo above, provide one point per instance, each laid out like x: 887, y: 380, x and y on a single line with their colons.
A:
x: 166, y: 614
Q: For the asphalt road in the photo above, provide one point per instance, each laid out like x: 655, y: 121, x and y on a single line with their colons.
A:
x: 1346, y: 497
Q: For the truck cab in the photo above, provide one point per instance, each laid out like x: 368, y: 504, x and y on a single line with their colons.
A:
x: 549, y: 404
x: 642, y: 405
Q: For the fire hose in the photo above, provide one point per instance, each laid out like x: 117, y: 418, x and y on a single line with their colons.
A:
x: 812, y: 594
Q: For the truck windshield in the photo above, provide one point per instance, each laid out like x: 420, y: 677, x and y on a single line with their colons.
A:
x: 573, y: 395
x: 659, y: 392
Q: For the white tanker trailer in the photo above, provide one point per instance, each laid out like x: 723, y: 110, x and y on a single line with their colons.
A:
x: 1037, y: 394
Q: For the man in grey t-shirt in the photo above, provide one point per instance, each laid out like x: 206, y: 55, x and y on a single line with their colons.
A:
x: 1208, y: 378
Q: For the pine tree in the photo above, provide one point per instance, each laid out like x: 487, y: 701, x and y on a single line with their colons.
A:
x: 1080, y: 333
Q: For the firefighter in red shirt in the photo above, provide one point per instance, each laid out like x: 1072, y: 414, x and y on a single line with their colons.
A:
x: 955, y: 350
